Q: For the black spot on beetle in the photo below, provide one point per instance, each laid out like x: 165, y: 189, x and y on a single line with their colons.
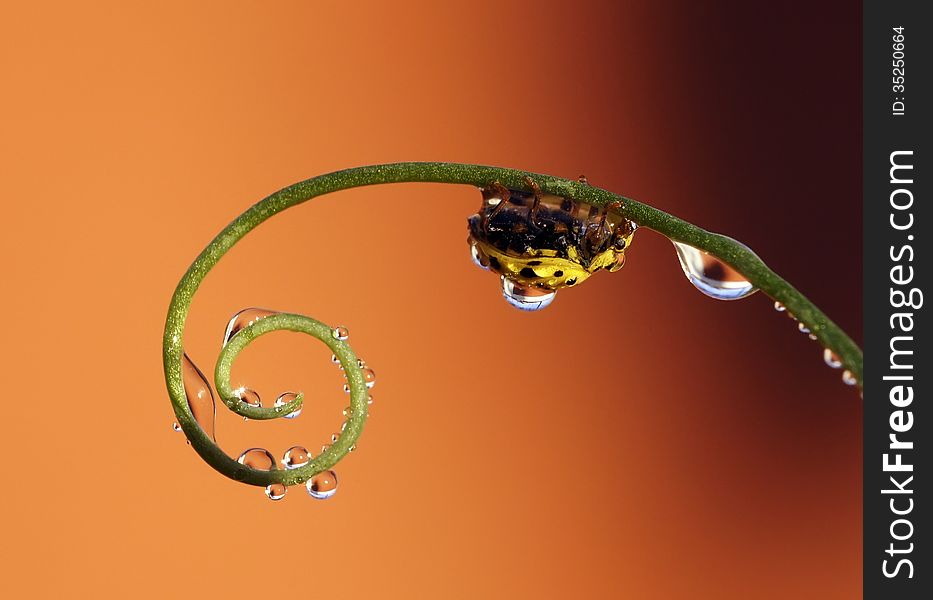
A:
x: 528, y: 272
x: 558, y: 273
x: 571, y: 281
x: 494, y: 263
x: 534, y: 263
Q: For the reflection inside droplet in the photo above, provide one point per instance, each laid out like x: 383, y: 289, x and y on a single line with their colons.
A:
x: 323, y: 485
x: 257, y: 458
x: 296, y: 456
x: 710, y: 275
x: 525, y: 297
x: 276, y: 491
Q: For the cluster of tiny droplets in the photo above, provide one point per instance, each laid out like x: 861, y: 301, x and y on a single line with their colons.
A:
x: 324, y: 484
x: 829, y: 357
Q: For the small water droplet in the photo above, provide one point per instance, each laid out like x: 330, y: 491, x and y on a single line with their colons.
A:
x: 803, y: 328
x: 176, y: 426
x: 343, y: 426
x: 276, y: 491
x: 334, y: 437
x: 283, y: 399
x: 369, y: 400
x: 369, y: 376
x: 779, y: 307
x: 831, y: 359
x: 323, y: 485
x: 346, y: 388
x: 200, y: 396
x: 296, y: 456
x: 348, y: 411
x: 257, y: 458
x: 812, y: 336
x: 477, y: 257
x: 341, y: 333
x: 711, y: 276
x: 352, y: 448
x: 525, y: 297
x: 324, y: 448
x: 244, y: 318
x: 848, y: 378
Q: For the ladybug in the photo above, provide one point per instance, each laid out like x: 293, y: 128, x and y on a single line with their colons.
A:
x: 539, y: 243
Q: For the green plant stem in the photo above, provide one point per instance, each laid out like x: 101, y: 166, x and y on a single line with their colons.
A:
x: 726, y: 249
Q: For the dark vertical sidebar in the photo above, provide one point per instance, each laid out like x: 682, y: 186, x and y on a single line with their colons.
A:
x: 898, y: 165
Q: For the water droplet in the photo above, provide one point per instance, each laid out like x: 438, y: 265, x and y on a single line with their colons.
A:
x: 525, y: 297
x: 348, y: 411
x: 341, y: 333
x: 779, y: 307
x: 831, y: 358
x: 477, y: 257
x: 334, y: 437
x: 257, y: 458
x: 276, y: 491
x: 200, y: 396
x: 346, y: 388
x: 352, y: 448
x: 296, y: 456
x: 369, y: 376
x: 324, y: 448
x: 848, y: 378
x: 242, y: 319
x: 369, y: 400
x: 711, y: 276
x: 336, y: 361
x: 803, y: 328
x: 176, y: 426
x: 323, y: 485
x: 283, y: 399
x: 249, y: 397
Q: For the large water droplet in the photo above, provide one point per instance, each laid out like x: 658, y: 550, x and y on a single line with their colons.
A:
x: 803, y: 328
x: 257, y: 458
x: 779, y: 307
x: 525, y: 297
x: 200, y: 396
x: 283, y: 399
x: 323, y: 485
x: 341, y: 333
x: 296, y: 456
x: 276, y: 491
x: 176, y: 426
x: 245, y: 317
x: 369, y: 376
x: 831, y: 358
x: 711, y: 276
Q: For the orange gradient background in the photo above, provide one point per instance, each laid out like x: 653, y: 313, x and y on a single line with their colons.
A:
x: 634, y: 440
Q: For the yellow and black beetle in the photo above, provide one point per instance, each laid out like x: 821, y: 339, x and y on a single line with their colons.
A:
x: 539, y: 243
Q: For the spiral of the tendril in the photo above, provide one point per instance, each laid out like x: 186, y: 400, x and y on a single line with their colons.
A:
x: 729, y: 251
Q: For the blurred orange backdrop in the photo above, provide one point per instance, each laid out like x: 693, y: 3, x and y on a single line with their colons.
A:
x: 634, y: 440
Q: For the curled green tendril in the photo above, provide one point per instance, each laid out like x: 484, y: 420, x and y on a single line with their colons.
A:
x: 725, y: 249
